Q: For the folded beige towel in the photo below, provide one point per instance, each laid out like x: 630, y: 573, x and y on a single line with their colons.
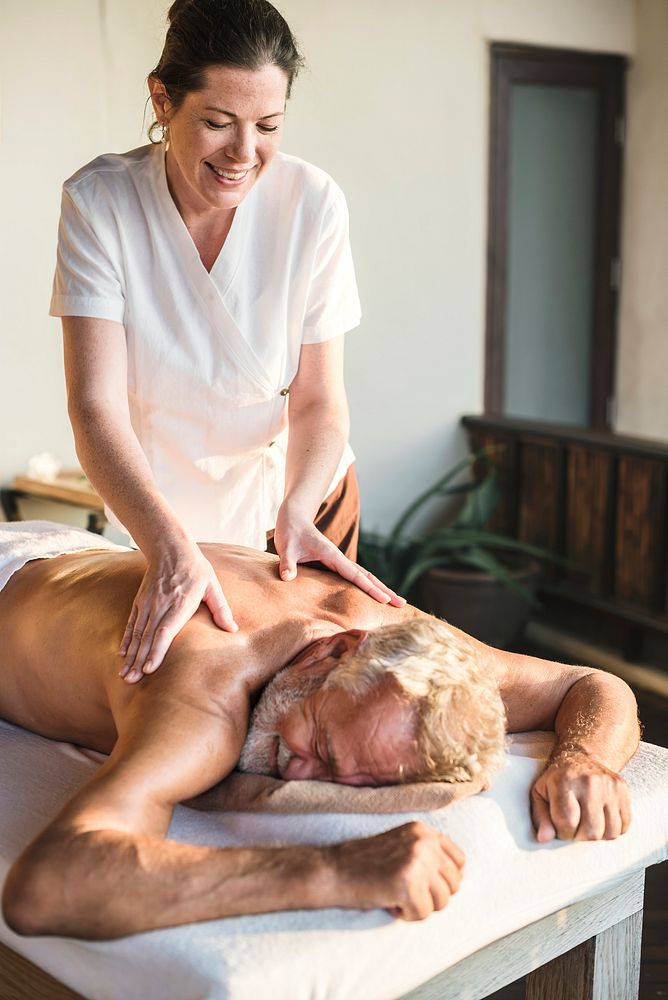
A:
x: 259, y: 793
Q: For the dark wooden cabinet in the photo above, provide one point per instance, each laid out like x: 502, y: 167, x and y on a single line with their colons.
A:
x: 598, y: 499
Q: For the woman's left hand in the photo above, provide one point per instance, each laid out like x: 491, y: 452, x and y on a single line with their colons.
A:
x: 297, y: 540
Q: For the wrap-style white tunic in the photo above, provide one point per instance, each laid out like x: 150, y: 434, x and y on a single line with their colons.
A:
x: 210, y: 355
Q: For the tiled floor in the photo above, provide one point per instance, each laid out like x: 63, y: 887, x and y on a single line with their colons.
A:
x: 654, y: 967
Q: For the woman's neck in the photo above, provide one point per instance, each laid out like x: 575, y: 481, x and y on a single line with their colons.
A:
x: 208, y: 226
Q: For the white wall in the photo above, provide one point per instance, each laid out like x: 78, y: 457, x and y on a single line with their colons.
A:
x: 394, y: 104
x: 71, y: 85
x: 49, y: 121
x: 643, y: 332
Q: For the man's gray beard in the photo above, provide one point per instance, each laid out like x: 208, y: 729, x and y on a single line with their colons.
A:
x: 278, y: 697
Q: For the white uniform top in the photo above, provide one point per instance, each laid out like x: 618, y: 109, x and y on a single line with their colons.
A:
x: 210, y: 353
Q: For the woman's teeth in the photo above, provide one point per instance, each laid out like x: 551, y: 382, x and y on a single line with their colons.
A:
x: 229, y: 175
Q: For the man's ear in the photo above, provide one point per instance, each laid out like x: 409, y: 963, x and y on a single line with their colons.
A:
x: 334, y: 645
x: 348, y: 641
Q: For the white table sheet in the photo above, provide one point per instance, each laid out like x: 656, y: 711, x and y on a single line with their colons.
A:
x: 335, y: 954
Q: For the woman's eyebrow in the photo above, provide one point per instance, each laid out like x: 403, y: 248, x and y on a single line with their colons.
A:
x: 231, y: 114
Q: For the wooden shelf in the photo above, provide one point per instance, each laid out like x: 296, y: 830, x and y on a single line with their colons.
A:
x: 68, y: 487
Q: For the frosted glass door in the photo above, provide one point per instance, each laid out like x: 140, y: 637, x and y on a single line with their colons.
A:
x: 552, y: 190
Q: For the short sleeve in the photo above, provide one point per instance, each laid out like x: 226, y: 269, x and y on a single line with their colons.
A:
x: 87, y: 282
x: 332, y: 305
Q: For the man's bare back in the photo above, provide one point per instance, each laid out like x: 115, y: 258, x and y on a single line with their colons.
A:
x: 74, y: 608
x: 179, y: 731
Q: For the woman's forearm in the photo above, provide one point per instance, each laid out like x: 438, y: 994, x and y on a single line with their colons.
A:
x: 319, y: 428
x: 113, y: 460
x: 318, y: 436
x: 96, y: 371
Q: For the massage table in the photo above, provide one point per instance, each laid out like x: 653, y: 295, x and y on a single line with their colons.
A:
x: 568, y: 914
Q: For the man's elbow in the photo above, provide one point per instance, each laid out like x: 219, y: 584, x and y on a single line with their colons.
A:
x: 61, y: 885
x: 622, y: 708
x: 27, y: 899
x: 627, y: 700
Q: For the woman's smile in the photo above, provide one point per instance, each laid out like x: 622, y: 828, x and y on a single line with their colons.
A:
x: 221, y: 138
x: 227, y: 177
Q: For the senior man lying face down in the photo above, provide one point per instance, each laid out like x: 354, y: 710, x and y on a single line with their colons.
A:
x: 371, y: 695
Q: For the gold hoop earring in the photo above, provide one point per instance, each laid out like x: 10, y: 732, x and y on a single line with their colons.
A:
x: 158, y: 133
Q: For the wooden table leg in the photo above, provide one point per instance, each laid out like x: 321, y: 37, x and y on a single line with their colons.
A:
x: 617, y: 960
x: 605, y: 967
x: 10, y: 507
x: 96, y: 523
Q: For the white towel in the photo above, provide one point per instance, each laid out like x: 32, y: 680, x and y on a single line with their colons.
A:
x: 510, y: 880
x: 22, y: 541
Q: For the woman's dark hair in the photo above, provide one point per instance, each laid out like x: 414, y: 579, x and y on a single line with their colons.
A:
x: 203, y: 33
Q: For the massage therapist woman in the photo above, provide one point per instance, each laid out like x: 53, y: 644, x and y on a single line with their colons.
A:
x: 205, y: 282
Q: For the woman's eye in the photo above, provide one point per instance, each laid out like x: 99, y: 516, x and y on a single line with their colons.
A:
x: 218, y: 125
x: 268, y: 128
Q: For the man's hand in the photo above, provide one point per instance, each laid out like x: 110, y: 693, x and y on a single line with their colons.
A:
x: 298, y: 541
x: 410, y: 871
x: 169, y: 595
x: 576, y: 798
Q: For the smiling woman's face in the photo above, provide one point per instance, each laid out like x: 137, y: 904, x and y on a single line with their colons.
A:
x: 222, y: 138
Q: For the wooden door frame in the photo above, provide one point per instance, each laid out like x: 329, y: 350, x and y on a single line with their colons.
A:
x: 529, y: 64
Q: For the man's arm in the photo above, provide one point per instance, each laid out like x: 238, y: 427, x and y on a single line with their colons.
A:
x: 594, y: 714
x: 102, y: 868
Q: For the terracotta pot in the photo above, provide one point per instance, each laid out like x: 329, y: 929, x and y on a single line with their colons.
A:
x: 478, y: 604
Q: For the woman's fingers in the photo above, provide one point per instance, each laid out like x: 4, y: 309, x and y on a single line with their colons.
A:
x: 158, y: 638
x: 287, y: 566
x: 167, y: 599
x: 149, y: 646
x: 139, y: 619
x: 221, y: 612
x: 129, y: 628
x: 298, y: 547
x: 363, y: 579
x: 312, y: 546
x: 395, y: 599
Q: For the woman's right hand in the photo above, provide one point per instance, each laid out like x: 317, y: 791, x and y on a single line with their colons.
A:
x: 178, y: 577
x: 174, y: 586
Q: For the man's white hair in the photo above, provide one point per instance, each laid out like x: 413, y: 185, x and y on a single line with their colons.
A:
x: 460, y: 718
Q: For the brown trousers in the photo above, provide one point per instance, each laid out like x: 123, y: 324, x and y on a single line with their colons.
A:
x: 338, y: 517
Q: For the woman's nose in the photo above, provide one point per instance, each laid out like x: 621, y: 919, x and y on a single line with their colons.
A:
x: 242, y: 147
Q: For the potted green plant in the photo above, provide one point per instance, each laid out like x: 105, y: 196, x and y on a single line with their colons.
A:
x: 477, y: 579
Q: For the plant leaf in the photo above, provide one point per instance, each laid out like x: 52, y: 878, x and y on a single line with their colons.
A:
x: 416, y: 570
x: 461, y: 537
x: 478, y: 559
x: 437, y: 489
x: 481, y: 502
